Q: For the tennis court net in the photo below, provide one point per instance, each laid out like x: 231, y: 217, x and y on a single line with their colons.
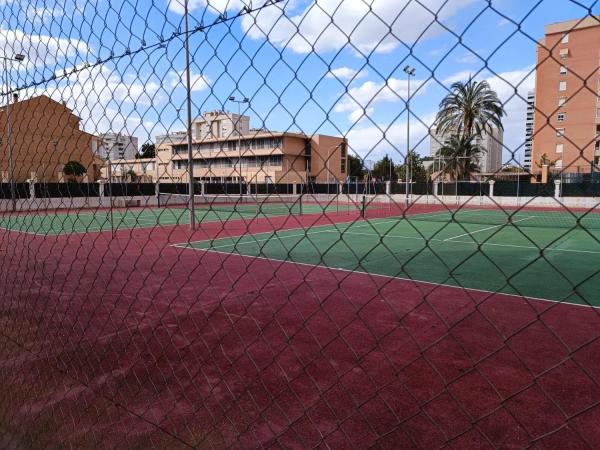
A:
x: 265, y: 204
x: 519, y: 217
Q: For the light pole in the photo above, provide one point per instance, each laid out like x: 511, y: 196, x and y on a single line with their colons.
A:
x: 18, y: 58
x: 410, y: 72
x: 245, y: 100
x: 191, y: 205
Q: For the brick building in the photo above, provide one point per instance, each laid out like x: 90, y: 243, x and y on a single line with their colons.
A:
x: 44, y: 135
x: 567, y: 109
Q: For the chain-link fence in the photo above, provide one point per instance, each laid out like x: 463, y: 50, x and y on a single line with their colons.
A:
x: 299, y: 224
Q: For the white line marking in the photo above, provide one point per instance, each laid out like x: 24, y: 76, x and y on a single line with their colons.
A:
x: 391, y: 277
x: 488, y: 228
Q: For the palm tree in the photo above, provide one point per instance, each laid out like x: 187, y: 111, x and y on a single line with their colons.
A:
x: 545, y: 161
x: 469, y: 110
x: 461, y: 154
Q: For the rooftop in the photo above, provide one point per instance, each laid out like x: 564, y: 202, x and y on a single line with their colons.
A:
x: 575, y: 24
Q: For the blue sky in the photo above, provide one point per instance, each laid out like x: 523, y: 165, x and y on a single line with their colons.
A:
x: 326, y: 66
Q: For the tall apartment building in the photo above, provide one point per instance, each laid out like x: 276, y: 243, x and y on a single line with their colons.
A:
x: 226, y: 149
x: 116, y: 146
x: 567, y: 108
x: 529, y: 124
x: 491, y: 142
x: 220, y: 124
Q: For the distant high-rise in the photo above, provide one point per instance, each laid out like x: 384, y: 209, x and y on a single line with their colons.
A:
x: 567, y: 105
x: 490, y: 160
x: 529, y: 122
x: 116, y: 146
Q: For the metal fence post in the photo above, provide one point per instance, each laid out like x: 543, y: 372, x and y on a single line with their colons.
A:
x: 101, y: 191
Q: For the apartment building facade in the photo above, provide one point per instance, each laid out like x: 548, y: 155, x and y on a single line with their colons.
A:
x: 115, y: 146
x: 44, y: 136
x: 226, y: 149
x: 567, y: 107
x: 529, y: 127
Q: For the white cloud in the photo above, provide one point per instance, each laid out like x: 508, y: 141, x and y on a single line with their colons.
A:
x: 328, y: 25
x: 104, y: 100
x: 198, y: 81
x: 215, y: 6
x: 375, y: 141
x: 365, y: 96
x: 346, y: 73
x: 468, y: 58
x: 503, y: 22
x: 41, y: 50
x: 37, y: 14
x: 459, y: 76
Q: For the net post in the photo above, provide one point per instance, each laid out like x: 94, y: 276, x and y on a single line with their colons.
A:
x: 363, y: 207
x: 157, y: 193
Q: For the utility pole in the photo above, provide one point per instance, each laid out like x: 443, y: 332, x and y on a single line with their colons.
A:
x: 191, y: 205
x: 9, y: 142
x: 245, y: 100
x: 410, y: 72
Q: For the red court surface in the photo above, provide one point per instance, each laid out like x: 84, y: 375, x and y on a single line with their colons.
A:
x: 130, y: 342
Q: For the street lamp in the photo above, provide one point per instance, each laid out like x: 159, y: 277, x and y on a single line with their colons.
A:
x: 245, y: 100
x: 190, y: 153
x: 410, y: 72
x: 18, y: 58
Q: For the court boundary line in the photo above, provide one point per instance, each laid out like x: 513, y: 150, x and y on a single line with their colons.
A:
x: 486, y: 229
x: 274, y: 235
x: 389, y: 277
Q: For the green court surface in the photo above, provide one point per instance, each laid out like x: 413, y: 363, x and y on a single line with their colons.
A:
x: 542, y: 254
x: 86, y: 221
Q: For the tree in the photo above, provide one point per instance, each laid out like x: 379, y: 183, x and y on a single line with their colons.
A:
x: 355, y: 167
x: 545, y: 161
x: 416, y: 168
x: 384, y: 169
x: 74, y: 169
x: 469, y: 109
x: 460, y: 155
x: 148, y: 150
x: 131, y: 175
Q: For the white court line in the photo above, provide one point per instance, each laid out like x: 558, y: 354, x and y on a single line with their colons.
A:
x: 389, y: 277
x: 488, y: 228
x: 275, y: 236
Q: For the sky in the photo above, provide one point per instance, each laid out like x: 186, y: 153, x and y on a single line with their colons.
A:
x: 314, y: 66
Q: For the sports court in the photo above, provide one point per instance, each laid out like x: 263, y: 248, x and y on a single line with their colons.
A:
x: 171, y: 210
x: 483, y: 249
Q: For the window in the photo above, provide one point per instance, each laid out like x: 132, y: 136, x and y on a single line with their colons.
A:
x: 558, y: 163
x: 564, y: 53
x: 562, y: 101
x: 565, y: 39
x: 563, y: 70
x: 559, y: 148
x: 560, y: 132
x: 562, y: 116
x: 562, y: 86
x: 598, y: 113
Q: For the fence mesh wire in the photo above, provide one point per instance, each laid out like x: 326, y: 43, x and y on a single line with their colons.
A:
x: 299, y: 224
